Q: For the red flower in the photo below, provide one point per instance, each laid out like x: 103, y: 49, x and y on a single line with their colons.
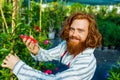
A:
x: 37, y: 29
x: 48, y: 71
x: 46, y: 42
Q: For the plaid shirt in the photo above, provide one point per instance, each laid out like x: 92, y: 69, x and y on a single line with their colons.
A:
x: 82, y: 67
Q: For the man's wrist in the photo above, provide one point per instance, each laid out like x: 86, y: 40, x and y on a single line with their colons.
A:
x: 17, y: 67
x: 36, y: 52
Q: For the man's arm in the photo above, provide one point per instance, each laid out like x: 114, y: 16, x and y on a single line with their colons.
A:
x: 48, y: 55
x: 82, y: 69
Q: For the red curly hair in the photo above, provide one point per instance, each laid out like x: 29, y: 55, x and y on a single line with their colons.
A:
x: 94, y: 37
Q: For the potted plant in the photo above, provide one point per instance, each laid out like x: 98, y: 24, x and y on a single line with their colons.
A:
x: 57, y: 14
x: 51, y: 33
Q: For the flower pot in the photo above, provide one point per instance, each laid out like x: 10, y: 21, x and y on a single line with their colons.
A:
x: 51, y: 35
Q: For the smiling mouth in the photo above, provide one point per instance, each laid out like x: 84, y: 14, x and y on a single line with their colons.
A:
x: 74, y: 40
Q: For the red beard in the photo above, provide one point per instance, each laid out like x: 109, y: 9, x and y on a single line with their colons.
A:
x: 75, y: 48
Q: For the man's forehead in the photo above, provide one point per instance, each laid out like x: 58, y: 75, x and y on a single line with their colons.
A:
x: 80, y: 23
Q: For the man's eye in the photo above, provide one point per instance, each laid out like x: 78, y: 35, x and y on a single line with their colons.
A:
x: 80, y: 30
x: 71, y: 29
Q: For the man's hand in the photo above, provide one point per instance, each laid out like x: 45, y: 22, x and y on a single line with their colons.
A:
x: 10, y: 61
x: 33, y: 48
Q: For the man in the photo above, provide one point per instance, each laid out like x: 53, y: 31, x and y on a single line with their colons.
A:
x: 80, y: 36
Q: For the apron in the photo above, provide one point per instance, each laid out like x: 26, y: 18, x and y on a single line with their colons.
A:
x: 54, y: 66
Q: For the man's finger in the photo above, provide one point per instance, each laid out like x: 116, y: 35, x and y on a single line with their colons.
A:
x: 16, y: 55
x: 31, y: 45
x: 9, y: 54
x: 31, y: 36
x: 3, y: 65
x: 28, y: 42
x: 5, y: 61
x: 7, y: 57
x: 24, y: 40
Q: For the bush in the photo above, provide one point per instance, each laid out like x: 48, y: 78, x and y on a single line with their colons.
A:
x: 11, y: 43
x: 110, y: 32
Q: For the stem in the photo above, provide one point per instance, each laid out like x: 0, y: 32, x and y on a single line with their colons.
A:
x: 12, y: 47
x: 3, y: 27
x: 3, y: 17
x: 29, y: 13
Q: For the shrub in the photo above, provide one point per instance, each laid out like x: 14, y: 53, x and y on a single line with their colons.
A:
x: 11, y: 43
x: 110, y: 32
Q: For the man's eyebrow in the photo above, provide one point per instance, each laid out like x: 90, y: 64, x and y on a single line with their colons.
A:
x: 71, y: 27
x: 81, y: 29
x: 77, y: 28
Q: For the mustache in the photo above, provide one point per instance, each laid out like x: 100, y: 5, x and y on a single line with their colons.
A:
x: 74, y: 37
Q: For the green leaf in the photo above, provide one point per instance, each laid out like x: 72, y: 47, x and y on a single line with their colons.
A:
x: 4, y: 50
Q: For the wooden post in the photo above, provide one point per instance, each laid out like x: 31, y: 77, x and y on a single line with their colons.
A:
x: 14, y: 10
x: 40, y: 13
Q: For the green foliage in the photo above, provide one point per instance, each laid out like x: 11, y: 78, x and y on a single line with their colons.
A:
x: 11, y: 43
x: 77, y: 7
x: 7, y: 8
x: 52, y: 16
x: 110, y: 32
x: 103, y: 12
x: 114, y: 73
x: 34, y: 13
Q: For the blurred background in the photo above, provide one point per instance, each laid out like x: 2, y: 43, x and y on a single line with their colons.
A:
x: 44, y: 20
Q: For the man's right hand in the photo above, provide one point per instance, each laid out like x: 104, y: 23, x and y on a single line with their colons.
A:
x: 32, y: 47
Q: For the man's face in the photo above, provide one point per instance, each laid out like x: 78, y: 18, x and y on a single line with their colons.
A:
x: 78, y: 30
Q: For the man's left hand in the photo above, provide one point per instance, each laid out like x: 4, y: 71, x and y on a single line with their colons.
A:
x: 10, y: 61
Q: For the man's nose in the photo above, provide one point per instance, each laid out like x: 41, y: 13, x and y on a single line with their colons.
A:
x: 74, y: 33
